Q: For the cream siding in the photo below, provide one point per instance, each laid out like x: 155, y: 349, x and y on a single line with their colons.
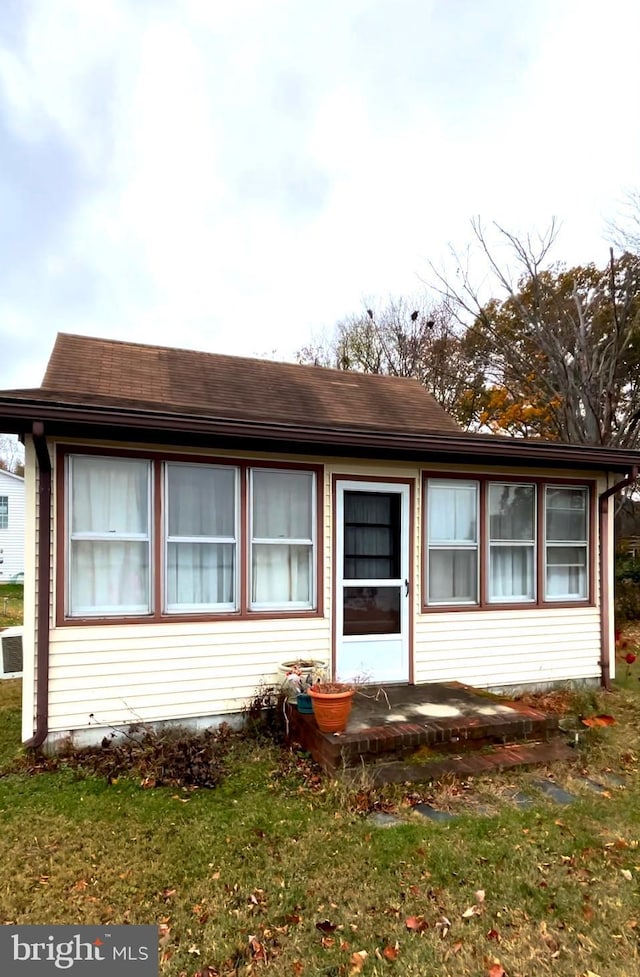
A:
x: 494, y: 649
x: 12, y: 538
x: 113, y: 675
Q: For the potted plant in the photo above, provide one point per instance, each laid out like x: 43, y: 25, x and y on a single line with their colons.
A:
x: 332, y: 703
x: 298, y: 676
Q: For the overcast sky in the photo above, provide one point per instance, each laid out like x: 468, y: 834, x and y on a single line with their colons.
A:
x: 237, y: 175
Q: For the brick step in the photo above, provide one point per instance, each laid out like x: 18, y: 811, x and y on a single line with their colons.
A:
x: 372, y: 745
x: 469, y: 764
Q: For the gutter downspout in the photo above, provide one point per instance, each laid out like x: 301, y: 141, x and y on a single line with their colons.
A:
x: 603, y: 537
x: 43, y: 587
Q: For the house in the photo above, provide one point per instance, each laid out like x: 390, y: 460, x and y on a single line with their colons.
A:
x: 11, y: 525
x: 193, y: 520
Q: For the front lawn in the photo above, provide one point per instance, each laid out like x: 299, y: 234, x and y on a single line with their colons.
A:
x: 277, y: 871
x: 11, y: 604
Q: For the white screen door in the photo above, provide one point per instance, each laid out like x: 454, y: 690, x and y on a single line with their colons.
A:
x: 372, y: 581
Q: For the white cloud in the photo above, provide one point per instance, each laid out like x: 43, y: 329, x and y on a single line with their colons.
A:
x: 237, y: 176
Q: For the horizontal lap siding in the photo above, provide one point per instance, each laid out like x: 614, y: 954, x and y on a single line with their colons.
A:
x: 492, y: 649
x: 150, y: 673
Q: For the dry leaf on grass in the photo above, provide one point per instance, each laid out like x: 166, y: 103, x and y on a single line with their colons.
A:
x: 417, y: 924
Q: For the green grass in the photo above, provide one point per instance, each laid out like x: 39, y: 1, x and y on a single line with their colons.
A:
x: 11, y: 604
x: 275, y: 850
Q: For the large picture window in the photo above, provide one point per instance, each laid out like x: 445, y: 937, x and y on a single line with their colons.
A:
x: 505, y: 542
x: 154, y: 538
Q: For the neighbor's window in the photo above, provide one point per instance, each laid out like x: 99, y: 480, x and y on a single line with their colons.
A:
x: 512, y: 517
x: 282, y: 507
x: 109, y: 536
x: 201, y: 537
x: 4, y: 511
x: 452, y: 541
x: 566, y: 543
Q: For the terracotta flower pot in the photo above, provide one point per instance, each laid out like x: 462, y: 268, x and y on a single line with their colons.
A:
x: 331, y: 705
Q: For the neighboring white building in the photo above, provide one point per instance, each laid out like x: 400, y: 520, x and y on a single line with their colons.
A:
x: 11, y: 525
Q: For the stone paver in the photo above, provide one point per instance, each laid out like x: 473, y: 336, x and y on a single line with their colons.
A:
x: 554, y: 792
x: 427, y: 811
x: 382, y: 820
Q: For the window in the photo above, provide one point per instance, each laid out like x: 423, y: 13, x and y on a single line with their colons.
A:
x: 152, y: 538
x: 4, y: 511
x: 511, y: 542
x: 201, y: 507
x: 282, y: 506
x: 566, y: 543
x: 109, y: 549
x: 490, y: 543
x: 452, y: 530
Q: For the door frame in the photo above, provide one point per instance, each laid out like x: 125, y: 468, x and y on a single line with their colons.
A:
x: 411, y: 543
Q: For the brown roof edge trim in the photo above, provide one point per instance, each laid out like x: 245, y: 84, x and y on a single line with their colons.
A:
x: 603, y: 539
x: 475, y: 445
x: 43, y: 584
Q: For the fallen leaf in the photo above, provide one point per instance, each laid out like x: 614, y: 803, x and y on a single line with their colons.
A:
x: 390, y: 952
x: 257, y: 949
x: 457, y: 946
x: 480, y: 895
x: 298, y: 967
x: 357, y: 961
x: 599, y: 721
x: 167, y: 893
x: 327, y: 942
x: 626, y: 874
x: 325, y: 926
x: 496, y: 970
x: 417, y: 924
x: 471, y: 911
x: 493, y: 935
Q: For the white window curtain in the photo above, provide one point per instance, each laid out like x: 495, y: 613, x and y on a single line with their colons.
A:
x: 452, y: 541
x: 282, y: 539
x: 201, y: 506
x: 109, y: 536
x: 566, y: 543
x: 512, y: 514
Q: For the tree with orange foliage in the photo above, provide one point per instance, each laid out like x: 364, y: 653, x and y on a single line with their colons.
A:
x: 560, y: 349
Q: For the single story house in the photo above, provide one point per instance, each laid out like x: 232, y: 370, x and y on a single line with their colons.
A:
x: 11, y: 525
x: 194, y: 520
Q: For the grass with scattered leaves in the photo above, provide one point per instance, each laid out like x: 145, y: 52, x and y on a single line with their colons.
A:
x: 11, y: 605
x: 278, y: 871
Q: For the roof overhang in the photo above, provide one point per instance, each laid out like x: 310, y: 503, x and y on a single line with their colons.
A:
x: 163, y: 427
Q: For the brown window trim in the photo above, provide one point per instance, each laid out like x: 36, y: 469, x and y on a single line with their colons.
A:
x: 158, y: 616
x: 483, y: 603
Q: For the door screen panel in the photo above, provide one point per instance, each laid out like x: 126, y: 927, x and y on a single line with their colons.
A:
x: 371, y: 536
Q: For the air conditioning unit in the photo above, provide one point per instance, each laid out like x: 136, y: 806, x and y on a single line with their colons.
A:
x: 11, y: 653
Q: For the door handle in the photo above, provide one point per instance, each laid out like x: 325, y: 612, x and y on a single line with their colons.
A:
x: 406, y: 588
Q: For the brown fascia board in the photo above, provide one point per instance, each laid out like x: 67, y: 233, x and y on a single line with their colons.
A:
x: 156, y: 426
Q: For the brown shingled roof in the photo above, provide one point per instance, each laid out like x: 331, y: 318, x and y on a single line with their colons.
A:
x: 83, y: 369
